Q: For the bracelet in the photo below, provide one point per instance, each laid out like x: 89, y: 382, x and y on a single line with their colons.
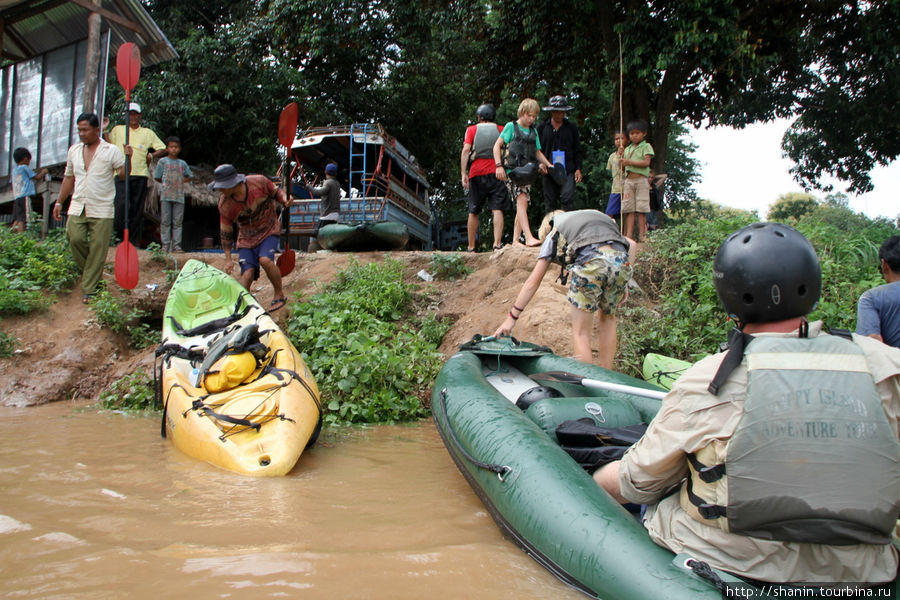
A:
x: 518, y: 309
x: 513, y: 317
x: 498, y: 165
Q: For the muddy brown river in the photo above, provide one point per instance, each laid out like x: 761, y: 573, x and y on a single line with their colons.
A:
x: 97, y: 505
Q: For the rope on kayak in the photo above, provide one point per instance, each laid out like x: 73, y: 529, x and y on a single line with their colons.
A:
x: 659, y: 374
x: 510, y: 344
x: 501, y: 470
x: 704, y: 571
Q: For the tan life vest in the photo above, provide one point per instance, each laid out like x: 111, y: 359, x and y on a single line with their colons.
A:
x: 811, y: 408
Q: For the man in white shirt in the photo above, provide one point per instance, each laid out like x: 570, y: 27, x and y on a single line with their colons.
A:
x: 91, y: 168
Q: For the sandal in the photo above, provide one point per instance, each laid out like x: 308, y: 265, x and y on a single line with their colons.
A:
x: 276, y: 304
x: 499, y: 247
x: 86, y: 299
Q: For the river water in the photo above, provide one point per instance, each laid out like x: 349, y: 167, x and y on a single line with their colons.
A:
x: 97, y: 505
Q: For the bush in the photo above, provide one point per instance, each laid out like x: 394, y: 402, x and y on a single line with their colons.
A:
x: 8, y: 344
x: 133, y: 392
x: 29, y: 268
x: 450, y: 266
x: 114, y: 313
x: 370, y: 366
x: 687, y: 320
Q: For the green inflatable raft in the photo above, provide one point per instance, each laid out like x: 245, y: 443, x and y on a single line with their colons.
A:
x: 538, y: 495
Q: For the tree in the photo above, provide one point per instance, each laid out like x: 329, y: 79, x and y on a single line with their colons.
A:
x: 792, y: 205
x: 848, y: 115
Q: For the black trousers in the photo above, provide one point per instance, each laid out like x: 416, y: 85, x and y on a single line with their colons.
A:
x: 137, y: 192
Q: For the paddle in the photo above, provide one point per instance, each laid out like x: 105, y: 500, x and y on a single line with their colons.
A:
x: 287, y: 129
x: 564, y: 377
x: 128, y: 71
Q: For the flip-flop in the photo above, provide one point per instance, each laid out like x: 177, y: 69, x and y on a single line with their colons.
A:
x: 277, y: 303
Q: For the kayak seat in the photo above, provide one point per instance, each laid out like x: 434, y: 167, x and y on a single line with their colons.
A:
x: 608, y: 412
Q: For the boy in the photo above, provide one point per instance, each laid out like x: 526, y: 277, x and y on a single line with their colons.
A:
x: 172, y: 173
x: 23, y: 179
x: 636, y: 191
x: 524, y: 150
x: 614, y: 164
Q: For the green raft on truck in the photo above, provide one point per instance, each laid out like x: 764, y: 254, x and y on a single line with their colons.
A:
x: 385, y: 196
x: 539, y: 496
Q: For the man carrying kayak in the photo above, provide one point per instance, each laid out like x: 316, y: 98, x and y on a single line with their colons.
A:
x: 777, y: 460
x: 250, y: 201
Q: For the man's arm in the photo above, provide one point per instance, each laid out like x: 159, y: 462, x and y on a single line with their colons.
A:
x: 65, y: 190
x: 464, y: 164
x: 607, y: 477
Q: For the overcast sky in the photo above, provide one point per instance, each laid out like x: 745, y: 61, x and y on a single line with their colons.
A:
x: 744, y: 169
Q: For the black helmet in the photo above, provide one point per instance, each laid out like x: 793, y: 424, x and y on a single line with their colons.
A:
x: 486, y: 112
x: 524, y: 175
x: 538, y: 392
x: 767, y: 272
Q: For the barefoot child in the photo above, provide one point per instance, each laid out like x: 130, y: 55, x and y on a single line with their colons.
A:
x: 524, y: 148
x: 636, y: 194
x: 614, y: 164
x: 23, y: 179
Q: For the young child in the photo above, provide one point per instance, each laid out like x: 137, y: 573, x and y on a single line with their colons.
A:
x: 524, y: 148
x: 614, y: 164
x: 172, y: 173
x: 636, y: 192
x: 23, y: 179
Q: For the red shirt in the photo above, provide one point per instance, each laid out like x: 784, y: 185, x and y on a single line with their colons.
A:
x: 480, y: 166
x: 256, y: 216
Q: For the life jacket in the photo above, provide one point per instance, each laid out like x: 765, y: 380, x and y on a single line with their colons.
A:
x: 813, y: 458
x: 232, y: 359
x: 522, y: 148
x: 486, y: 135
x: 576, y: 229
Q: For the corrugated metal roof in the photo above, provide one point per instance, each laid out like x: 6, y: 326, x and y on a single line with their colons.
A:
x: 33, y: 27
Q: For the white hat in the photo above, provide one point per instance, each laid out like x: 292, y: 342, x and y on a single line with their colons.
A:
x: 134, y: 107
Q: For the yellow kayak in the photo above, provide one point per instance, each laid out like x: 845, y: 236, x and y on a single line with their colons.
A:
x: 235, y: 391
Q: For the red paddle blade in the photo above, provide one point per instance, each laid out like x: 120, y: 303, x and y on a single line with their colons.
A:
x: 287, y: 124
x: 128, y: 66
x: 285, y: 262
x: 126, y: 264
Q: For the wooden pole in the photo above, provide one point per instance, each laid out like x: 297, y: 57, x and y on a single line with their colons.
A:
x: 92, y: 61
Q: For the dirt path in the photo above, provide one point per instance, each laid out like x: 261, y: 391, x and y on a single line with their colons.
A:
x: 64, y: 354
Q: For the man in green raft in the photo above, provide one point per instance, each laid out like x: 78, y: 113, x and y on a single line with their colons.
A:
x: 777, y: 460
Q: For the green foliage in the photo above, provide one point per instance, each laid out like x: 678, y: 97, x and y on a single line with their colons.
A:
x: 115, y: 314
x: 133, y: 392
x: 793, y: 205
x: 370, y: 366
x: 157, y: 254
x: 450, y: 266
x: 8, y: 344
x: 688, y: 322
x: 30, y: 268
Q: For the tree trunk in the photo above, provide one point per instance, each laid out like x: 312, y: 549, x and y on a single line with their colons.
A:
x: 92, y: 60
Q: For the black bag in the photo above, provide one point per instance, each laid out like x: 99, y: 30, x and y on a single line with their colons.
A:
x: 592, y: 446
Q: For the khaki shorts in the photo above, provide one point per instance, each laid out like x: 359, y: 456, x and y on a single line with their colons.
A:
x: 600, y: 283
x: 636, y: 196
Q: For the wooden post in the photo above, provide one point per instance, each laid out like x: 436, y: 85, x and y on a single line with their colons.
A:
x: 92, y: 61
